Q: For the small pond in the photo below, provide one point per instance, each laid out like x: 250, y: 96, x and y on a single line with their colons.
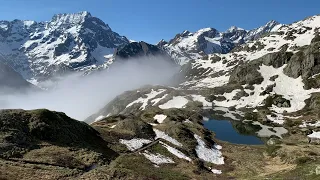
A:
x: 234, y: 131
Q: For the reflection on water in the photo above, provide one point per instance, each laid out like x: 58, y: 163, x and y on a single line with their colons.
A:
x: 234, y: 131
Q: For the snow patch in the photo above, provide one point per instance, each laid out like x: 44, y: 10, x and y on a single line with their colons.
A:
x: 134, y: 144
x: 175, y: 151
x: 188, y: 121
x: 160, y: 118
x: 145, y: 101
x: 157, y: 158
x: 315, y: 135
x: 307, y: 124
x: 201, y: 99
x: 216, y: 171
x: 268, y: 131
x: 175, y: 102
x: 99, y: 118
x: 278, y: 119
x: 163, y: 135
x: 211, y: 155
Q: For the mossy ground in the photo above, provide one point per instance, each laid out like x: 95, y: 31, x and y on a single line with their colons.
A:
x: 290, y: 157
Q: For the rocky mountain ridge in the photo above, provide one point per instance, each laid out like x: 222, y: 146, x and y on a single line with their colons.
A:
x: 186, y: 45
x: 69, y: 42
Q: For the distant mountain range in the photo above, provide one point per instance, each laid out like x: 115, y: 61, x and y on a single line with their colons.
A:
x: 186, y: 45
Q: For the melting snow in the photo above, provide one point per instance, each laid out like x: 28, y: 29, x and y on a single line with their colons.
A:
x: 306, y: 124
x: 278, y: 119
x: 160, y: 118
x: 157, y: 158
x: 156, y: 100
x: 145, y: 101
x: 175, y: 102
x: 216, y: 171
x: 175, y: 151
x: 99, y: 118
x: 201, y: 99
x: 315, y: 135
x: 211, y: 155
x: 134, y: 144
x: 291, y: 89
x: 162, y: 135
x: 268, y: 131
x: 188, y: 121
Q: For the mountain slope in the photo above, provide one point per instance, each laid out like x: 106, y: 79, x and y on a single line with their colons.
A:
x: 10, y: 80
x: 69, y: 42
x: 186, y: 45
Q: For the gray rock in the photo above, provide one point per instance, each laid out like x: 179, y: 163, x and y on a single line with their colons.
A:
x: 246, y: 74
x: 304, y: 63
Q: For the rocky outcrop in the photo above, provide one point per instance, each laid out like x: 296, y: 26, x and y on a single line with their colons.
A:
x: 246, y: 73
x: 138, y: 49
x: 276, y: 100
x: 305, y: 63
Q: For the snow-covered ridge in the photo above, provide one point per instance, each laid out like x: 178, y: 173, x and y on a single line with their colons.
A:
x: 69, y: 42
x: 187, y: 46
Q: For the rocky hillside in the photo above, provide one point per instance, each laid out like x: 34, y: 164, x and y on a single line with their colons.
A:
x: 153, y: 144
x: 69, y: 42
x: 269, y: 83
x: 10, y: 80
x: 187, y: 46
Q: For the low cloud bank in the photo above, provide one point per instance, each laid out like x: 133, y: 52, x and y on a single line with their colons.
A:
x: 81, y: 96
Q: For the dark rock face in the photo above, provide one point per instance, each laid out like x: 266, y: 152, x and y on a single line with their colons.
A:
x: 277, y: 59
x: 11, y: 80
x: 144, y: 51
x: 136, y: 49
x: 276, y: 100
x: 246, y: 73
x: 305, y: 63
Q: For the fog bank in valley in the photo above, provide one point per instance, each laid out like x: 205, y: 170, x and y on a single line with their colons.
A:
x: 81, y: 96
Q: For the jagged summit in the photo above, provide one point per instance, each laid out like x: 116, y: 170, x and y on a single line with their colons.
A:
x: 235, y: 28
x: 186, y: 46
x: 69, y: 42
x: 70, y: 19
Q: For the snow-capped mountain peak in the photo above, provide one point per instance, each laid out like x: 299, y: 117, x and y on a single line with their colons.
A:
x: 70, y: 19
x: 69, y: 42
x: 234, y: 28
x: 186, y: 45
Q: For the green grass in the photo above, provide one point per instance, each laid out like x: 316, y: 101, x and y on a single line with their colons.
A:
x: 141, y: 168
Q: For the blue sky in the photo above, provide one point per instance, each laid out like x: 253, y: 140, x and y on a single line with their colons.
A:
x: 152, y: 20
